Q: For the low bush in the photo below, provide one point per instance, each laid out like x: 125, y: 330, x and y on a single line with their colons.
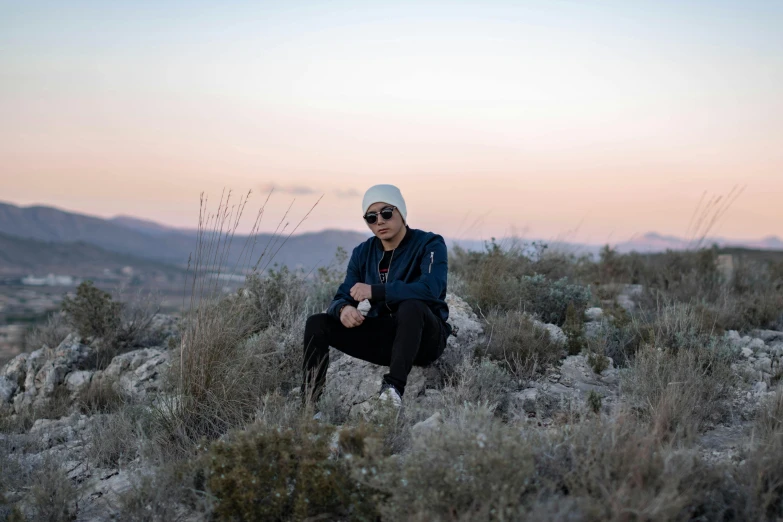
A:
x: 573, y: 328
x: 679, y: 392
x: 473, y: 468
x: 92, y: 312
x: 616, y: 469
x: 478, y: 382
x: 550, y: 300
x: 769, y: 418
x: 113, y: 326
x: 267, y: 473
x: 519, y: 344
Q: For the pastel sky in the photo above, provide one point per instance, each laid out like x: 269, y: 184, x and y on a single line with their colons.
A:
x: 584, y: 120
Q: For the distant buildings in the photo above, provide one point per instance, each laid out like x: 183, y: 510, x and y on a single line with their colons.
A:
x: 50, y: 280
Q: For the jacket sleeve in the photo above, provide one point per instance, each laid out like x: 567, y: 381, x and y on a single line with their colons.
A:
x: 343, y: 295
x: 434, y: 264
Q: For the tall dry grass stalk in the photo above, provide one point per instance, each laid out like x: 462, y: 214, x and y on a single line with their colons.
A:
x: 217, y: 374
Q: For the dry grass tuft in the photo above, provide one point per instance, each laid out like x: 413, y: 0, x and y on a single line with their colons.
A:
x: 519, y: 344
x: 679, y: 392
x: 234, y: 348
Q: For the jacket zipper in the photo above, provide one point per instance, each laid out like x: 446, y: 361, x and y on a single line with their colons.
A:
x: 432, y: 258
x: 388, y: 272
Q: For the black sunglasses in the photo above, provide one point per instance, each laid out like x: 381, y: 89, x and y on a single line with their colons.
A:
x: 386, y: 213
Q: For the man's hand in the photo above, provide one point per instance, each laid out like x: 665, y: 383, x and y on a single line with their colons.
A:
x: 361, y: 291
x: 350, y: 317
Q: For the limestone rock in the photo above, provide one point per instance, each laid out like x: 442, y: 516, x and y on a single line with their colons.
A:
x: 16, y: 369
x: 7, y: 389
x: 627, y: 295
x: 756, y: 345
x: 566, y: 388
x: 746, y: 352
x: 71, y: 353
x: 355, y: 382
x: 139, y: 372
x: 78, y: 381
x: 556, y: 333
x: 467, y: 332
x: 768, y: 336
x: 427, y: 426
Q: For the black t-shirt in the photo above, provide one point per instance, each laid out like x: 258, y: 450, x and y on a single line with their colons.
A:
x: 383, y: 271
x: 383, y: 267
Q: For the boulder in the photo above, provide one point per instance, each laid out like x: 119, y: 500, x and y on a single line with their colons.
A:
x: 467, y: 333
x: 756, y: 345
x: 627, y: 296
x: 768, y: 336
x: 556, y: 334
x: 16, y: 369
x: 7, y: 389
x: 72, y: 354
x: 78, y: 381
x: 429, y: 425
x: 355, y: 382
x: 137, y: 373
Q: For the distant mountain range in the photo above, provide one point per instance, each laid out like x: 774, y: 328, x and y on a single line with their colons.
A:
x: 22, y: 256
x: 147, y: 240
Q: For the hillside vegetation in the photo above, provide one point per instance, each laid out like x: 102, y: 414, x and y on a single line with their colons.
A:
x: 624, y: 388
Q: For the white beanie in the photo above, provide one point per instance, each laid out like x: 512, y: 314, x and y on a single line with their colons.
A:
x: 385, y: 194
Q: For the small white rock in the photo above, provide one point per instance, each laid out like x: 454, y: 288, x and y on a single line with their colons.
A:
x: 747, y: 352
x: 755, y: 344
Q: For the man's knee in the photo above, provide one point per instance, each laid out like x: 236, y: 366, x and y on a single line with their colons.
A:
x: 411, y: 308
x: 316, y: 322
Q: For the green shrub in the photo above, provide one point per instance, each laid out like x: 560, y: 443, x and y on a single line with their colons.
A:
x: 594, y: 401
x: 597, y: 362
x: 549, y: 300
x: 615, y: 469
x: 474, y: 468
x: 284, y: 474
x: 573, y: 328
x: 519, y: 344
x: 92, y: 311
x: 115, y: 326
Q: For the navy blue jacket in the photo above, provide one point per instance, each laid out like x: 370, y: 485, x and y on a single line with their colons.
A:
x: 418, y: 270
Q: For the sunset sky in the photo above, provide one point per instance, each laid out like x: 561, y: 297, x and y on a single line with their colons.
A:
x: 585, y: 120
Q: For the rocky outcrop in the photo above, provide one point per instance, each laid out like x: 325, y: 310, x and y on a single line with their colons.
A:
x: 138, y: 373
x: 32, y: 379
x: 565, y: 389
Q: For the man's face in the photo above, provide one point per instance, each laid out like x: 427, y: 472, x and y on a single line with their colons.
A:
x: 385, y: 228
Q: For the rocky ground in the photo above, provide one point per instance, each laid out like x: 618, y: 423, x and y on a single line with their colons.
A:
x: 560, y: 394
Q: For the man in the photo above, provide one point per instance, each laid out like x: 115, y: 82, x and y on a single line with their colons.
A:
x: 402, y: 272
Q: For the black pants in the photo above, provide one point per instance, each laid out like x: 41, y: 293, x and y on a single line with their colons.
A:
x: 411, y: 335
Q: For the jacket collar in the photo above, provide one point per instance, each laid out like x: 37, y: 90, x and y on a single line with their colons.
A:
x: 405, y: 239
